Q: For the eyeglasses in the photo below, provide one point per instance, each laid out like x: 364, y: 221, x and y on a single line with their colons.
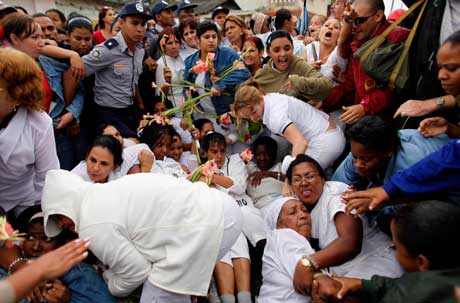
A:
x: 307, y: 178
x: 358, y: 20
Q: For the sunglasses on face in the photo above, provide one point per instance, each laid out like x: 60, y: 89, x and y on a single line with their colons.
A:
x: 358, y: 20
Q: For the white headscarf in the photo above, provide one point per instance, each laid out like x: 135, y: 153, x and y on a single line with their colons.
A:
x: 273, y: 212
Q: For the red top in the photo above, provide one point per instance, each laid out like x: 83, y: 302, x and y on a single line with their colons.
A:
x: 361, y: 88
x: 49, y: 94
x: 98, y: 37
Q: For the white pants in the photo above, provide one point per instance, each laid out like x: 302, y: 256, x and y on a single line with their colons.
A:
x: 327, y: 147
x: 153, y: 294
x: 233, y: 224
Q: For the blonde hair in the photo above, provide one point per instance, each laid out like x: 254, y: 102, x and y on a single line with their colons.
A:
x: 246, y: 95
x: 23, y: 77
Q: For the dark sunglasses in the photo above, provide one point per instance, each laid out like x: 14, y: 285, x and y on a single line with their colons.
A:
x: 358, y: 20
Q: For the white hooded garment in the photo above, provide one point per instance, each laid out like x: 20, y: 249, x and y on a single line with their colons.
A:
x: 166, y: 229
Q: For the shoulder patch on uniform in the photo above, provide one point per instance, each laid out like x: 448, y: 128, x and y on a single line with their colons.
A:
x: 111, y: 43
x: 95, y: 53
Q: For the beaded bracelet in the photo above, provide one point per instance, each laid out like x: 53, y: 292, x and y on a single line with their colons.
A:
x: 14, y: 263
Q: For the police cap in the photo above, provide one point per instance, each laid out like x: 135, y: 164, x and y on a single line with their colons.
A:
x: 161, y: 6
x: 134, y: 9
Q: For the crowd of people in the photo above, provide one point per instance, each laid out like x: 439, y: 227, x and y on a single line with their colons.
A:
x: 231, y: 159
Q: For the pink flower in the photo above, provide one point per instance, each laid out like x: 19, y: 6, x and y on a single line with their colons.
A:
x: 158, y: 119
x: 225, y: 119
x: 246, y: 155
x: 9, y: 230
x: 210, y: 168
x: 211, y: 57
x: 200, y: 67
x: 181, y: 101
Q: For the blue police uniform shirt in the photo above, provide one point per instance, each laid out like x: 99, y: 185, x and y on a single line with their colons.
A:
x: 117, y: 72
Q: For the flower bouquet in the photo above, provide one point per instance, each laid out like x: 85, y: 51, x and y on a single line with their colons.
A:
x: 207, y: 170
x: 8, y: 234
x: 205, y: 66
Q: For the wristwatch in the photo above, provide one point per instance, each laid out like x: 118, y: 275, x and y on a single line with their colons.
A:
x: 440, y: 102
x: 309, y: 263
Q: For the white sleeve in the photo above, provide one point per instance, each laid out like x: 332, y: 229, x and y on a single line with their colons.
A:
x: 333, y: 59
x: 239, y: 175
x: 291, y: 248
x: 159, y: 76
x: 128, y: 269
x: 80, y: 169
x: 130, y: 157
x: 333, y: 194
x: 45, y: 158
x: 276, y: 114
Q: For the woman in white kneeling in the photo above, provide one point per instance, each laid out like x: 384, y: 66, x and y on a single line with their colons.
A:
x: 157, y: 229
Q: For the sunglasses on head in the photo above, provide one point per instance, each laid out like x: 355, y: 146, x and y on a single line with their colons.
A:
x: 358, y: 20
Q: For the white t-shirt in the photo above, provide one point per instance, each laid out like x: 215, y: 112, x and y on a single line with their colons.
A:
x: 206, y: 103
x: 283, y: 250
x: 269, y: 188
x: 324, y: 229
x: 177, y: 67
x: 185, y: 135
x: 253, y: 227
x: 281, y: 110
x: 168, y: 166
x: 128, y: 142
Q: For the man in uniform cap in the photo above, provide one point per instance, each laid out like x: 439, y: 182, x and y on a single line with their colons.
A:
x: 163, y: 14
x: 218, y: 15
x: 117, y: 64
x: 185, y: 10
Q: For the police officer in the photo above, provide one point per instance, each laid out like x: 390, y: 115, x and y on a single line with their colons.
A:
x: 163, y: 14
x: 218, y: 16
x: 186, y: 9
x: 117, y: 64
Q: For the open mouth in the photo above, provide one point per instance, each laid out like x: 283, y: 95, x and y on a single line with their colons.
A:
x: 328, y: 34
x: 306, y: 192
x: 283, y: 60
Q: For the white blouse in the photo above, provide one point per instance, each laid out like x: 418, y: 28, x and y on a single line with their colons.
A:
x: 328, y: 67
x: 269, y: 188
x: 177, y: 67
x: 28, y: 151
x: 280, y: 111
x: 375, y: 257
x: 130, y: 158
x: 284, y: 248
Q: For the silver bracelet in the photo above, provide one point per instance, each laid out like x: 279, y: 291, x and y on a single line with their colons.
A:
x: 14, y: 263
